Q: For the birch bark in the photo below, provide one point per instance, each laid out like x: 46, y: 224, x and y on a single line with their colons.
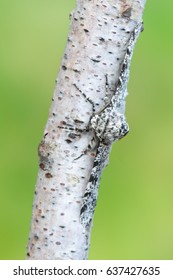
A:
x: 96, y: 45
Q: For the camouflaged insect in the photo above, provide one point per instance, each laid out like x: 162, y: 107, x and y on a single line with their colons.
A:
x: 109, y: 125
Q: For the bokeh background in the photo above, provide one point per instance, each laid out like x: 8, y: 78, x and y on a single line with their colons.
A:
x: 134, y: 215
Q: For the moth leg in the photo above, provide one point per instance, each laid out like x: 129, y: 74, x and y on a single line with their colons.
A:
x: 86, y: 98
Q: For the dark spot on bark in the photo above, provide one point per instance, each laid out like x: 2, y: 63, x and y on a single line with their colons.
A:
x: 78, y: 121
x: 59, y: 98
x: 35, y: 192
x: 42, y: 166
x: 48, y: 175
x: 86, y: 30
x: 28, y: 254
x: 62, y: 214
x: 45, y: 229
x: 53, y: 190
x: 64, y: 67
x: 62, y: 226
x: 94, y: 60
x: 68, y: 141
x: 63, y: 122
x: 102, y: 39
x: 75, y: 70
x: 36, y: 237
x: 58, y: 243
x: 43, y: 217
x: 51, y: 234
x: 75, y: 19
x: 73, y: 251
x: 62, y: 184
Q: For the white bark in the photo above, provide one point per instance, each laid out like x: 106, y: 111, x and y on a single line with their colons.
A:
x: 97, y: 42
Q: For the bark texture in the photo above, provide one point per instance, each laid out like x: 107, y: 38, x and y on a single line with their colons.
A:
x: 97, y: 42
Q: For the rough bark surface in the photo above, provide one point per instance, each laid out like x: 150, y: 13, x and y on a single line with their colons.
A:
x: 97, y: 42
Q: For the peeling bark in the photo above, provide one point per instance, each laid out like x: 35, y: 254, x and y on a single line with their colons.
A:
x: 96, y: 45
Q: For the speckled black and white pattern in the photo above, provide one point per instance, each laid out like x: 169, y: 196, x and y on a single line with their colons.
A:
x: 109, y: 125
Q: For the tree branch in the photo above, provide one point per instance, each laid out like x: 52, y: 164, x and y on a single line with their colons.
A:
x: 97, y: 43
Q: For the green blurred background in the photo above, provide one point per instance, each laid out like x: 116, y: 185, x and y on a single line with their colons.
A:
x: 134, y: 215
